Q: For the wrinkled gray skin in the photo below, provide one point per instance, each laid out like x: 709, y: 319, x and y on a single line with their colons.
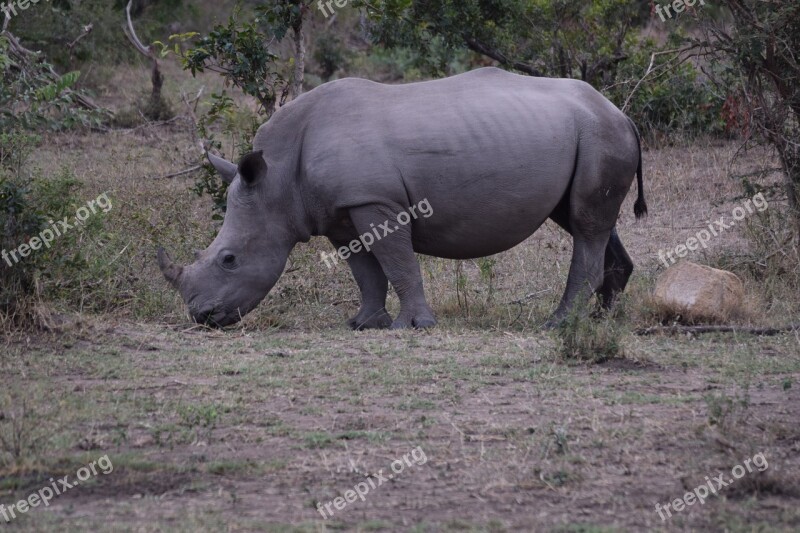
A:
x: 495, y: 154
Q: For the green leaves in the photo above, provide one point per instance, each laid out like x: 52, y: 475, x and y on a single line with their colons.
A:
x: 280, y: 17
x: 239, y: 51
x: 565, y: 38
x: 50, y: 92
x: 33, y: 97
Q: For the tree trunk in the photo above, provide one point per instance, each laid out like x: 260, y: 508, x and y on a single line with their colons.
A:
x: 158, y: 82
x: 299, y: 59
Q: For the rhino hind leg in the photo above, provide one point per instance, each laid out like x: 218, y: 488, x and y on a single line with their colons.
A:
x: 373, y: 285
x: 394, y: 251
x: 618, y: 268
x: 585, y: 273
x: 600, y: 264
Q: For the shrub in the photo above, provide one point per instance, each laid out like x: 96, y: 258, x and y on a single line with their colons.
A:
x: 583, y: 338
x: 30, y: 203
x: 18, y: 218
x: 673, y: 100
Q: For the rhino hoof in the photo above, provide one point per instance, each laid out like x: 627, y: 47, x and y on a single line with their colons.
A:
x: 416, y: 322
x: 379, y: 320
x: 553, y: 323
x: 424, y: 323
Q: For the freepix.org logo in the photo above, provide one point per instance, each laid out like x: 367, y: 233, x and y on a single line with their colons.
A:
x: 703, y: 236
x: 57, y: 487
x: 678, y: 5
x: 416, y: 457
x: 11, y: 9
x: 57, y: 229
x: 375, y: 234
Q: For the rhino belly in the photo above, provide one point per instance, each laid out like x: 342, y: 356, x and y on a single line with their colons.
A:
x: 485, y: 215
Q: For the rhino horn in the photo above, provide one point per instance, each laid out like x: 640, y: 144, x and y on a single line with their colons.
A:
x: 171, y: 271
x: 225, y: 168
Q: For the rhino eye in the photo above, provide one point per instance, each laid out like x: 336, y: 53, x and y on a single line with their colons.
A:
x: 229, y: 260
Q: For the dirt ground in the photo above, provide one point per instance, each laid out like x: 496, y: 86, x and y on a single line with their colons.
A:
x: 250, y: 429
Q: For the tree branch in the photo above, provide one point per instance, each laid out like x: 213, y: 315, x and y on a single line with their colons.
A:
x: 86, y: 31
x: 130, y: 33
x: 477, y: 46
x: 717, y: 329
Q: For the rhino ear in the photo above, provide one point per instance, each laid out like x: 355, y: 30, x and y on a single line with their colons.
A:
x: 252, y: 167
x: 226, y: 169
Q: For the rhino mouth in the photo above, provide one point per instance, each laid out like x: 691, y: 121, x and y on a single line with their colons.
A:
x: 219, y: 313
x: 207, y: 318
x: 216, y: 318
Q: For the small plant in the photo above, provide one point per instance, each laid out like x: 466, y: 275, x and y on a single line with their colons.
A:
x: 726, y: 412
x: 200, y: 415
x: 580, y: 337
x: 27, y: 428
x: 561, y: 439
x: 775, y: 258
x: 486, y: 266
x: 461, y: 286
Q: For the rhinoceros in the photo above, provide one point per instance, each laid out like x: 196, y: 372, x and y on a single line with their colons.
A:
x: 494, y: 154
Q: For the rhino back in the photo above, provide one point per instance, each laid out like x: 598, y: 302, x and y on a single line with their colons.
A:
x: 473, y: 145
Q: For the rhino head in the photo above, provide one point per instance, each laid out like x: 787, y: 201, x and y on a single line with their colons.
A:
x: 230, y: 277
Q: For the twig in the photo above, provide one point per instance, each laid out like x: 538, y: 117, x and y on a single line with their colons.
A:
x: 148, y: 124
x: 483, y: 49
x: 86, y: 31
x: 204, y: 144
x: 181, y: 173
x: 650, y: 69
x: 524, y: 299
x: 189, y: 107
x: 716, y: 329
x: 638, y: 83
x: 528, y: 297
x: 340, y: 302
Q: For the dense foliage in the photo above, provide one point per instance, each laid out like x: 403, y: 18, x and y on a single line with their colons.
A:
x: 758, y: 47
x: 33, y: 96
x: 31, y: 204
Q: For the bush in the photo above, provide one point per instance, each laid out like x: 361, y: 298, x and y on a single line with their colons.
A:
x: 18, y: 219
x: 31, y: 204
x: 583, y: 338
x: 671, y: 101
x: 772, y: 259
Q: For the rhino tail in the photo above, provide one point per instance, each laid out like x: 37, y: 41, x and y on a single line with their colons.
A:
x: 640, y: 206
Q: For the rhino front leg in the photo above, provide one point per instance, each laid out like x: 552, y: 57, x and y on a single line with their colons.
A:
x: 393, y: 248
x: 373, y: 285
